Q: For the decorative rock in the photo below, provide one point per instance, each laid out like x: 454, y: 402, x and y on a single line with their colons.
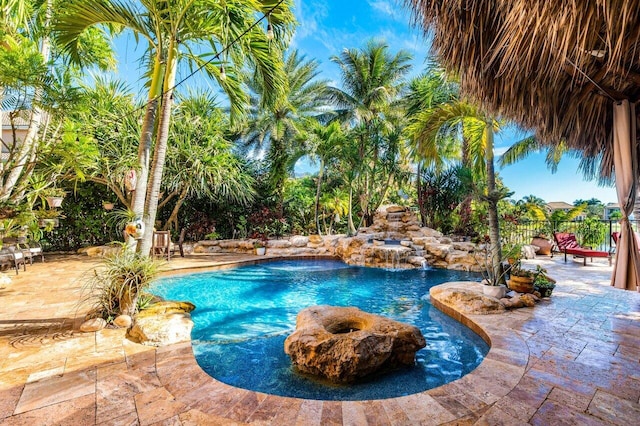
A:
x: 299, y: 241
x: 123, y: 321
x: 396, y: 209
x: 93, y: 324
x: 315, y: 239
x: 279, y: 244
x: 344, y: 344
x: 163, y: 323
x: 528, y: 300
x: 467, y: 298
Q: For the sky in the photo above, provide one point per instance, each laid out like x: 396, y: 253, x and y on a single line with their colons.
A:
x: 326, y: 27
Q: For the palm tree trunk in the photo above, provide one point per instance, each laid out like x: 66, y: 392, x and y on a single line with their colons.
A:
x: 492, y: 199
x: 160, y: 152
x: 317, y: 204
x: 352, y: 228
x: 146, y: 138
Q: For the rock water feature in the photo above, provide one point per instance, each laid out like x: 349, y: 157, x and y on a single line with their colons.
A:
x: 345, y: 344
x: 394, y: 240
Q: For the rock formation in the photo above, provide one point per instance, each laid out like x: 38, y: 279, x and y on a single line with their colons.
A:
x: 344, y: 344
x: 163, y: 323
x: 395, y: 240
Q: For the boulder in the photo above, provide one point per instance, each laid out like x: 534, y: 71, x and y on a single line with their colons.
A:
x: 466, y: 298
x: 345, y: 344
x: 278, y: 244
x: 123, y: 321
x: 299, y: 241
x: 4, y: 280
x: 396, y: 209
x: 315, y: 239
x: 93, y: 324
x: 163, y: 323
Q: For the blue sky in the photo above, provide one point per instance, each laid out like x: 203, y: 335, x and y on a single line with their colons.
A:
x: 326, y: 27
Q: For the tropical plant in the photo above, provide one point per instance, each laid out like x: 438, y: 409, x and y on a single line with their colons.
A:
x: 114, y: 288
x: 227, y: 29
x: 280, y: 130
x: 591, y: 232
x: 200, y: 161
x: 372, y: 82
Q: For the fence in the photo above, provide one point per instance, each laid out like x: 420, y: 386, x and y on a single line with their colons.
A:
x: 523, y: 232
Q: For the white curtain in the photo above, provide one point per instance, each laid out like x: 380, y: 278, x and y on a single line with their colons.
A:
x: 626, y: 273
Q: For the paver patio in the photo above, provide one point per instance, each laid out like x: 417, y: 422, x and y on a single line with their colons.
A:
x: 573, y: 359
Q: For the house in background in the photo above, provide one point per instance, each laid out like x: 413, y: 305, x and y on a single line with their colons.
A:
x: 613, y: 207
x: 21, y: 124
x: 565, y: 207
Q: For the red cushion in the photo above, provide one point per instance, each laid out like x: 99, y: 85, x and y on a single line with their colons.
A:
x: 586, y: 252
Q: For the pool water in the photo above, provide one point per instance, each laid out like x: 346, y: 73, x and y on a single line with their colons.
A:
x: 243, y: 316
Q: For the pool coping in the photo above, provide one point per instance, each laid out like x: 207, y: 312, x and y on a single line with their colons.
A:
x: 497, y: 375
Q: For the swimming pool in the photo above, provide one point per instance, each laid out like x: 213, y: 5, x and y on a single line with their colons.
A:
x: 244, y: 314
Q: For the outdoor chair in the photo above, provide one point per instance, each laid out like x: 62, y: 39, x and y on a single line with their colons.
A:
x: 161, y: 245
x: 616, y: 236
x: 15, y: 257
x: 15, y: 245
x: 568, y: 244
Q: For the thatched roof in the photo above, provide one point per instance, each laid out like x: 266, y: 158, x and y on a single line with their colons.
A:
x: 554, y: 67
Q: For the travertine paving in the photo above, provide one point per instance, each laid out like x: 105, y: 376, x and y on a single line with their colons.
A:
x: 573, y: 359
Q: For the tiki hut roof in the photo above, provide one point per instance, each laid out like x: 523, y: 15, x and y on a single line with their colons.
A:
x: 554, y: 67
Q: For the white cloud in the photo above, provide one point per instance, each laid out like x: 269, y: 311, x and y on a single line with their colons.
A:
x: 388, y: 8
x: 500, y: 150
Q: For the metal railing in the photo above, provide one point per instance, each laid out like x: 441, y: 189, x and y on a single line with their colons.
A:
x: 524, y: 232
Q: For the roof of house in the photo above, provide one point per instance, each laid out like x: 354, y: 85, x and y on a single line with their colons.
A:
x: 556, y: 205
x: 21, y: 120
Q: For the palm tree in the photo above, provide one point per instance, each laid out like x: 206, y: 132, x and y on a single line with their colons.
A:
x: 372, y: 80
x: 231, y: 40
x: 280, y: 130
x: 326, y: 144
x: 200, y: 162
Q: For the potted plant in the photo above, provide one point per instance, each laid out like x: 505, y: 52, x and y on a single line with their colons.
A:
x: 54, y: 197
x: 544, y: 285
x: 543, y: 243
x: 493, y: 284
x: 260, y: 247
x: 48, y: 219
x: 521, y: 279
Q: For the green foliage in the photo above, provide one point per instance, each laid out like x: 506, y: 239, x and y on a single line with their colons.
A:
x: 441, y: 193
x: 86, y: 223
x: 115, y: 287
x: 591, y: 232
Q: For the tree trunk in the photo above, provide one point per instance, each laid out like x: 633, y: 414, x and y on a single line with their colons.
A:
x: 160, y: 152
x: 146, y: 138
x: 352, y: 228
x: 317, y: 204
x: 30, y: 140
x: 173, y: 219
x: 492, y: 199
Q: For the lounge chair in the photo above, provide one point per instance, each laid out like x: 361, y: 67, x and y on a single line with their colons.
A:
x: 616, y: 237
x: 568, y: 244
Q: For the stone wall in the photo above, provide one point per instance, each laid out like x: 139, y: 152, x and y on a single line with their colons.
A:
x: 395, y: 240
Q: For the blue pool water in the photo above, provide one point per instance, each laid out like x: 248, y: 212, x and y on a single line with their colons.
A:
x: 243, y: 316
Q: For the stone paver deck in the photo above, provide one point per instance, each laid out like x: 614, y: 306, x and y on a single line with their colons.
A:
x: 573, y: 359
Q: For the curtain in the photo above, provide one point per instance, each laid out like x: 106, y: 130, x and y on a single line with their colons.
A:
x: 626, y: 273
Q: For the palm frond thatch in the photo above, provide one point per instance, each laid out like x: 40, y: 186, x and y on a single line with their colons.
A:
x: 553, y: 67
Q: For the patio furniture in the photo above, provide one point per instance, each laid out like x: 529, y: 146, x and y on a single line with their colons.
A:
x: 161, y: 244
x: 19, y: 243
x: 15, y: 257
x: 568, y: 244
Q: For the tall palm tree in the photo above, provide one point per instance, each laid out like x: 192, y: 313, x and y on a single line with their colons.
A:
x: 372, y: 81
x: 224, y: 30
x: 280, y: 129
